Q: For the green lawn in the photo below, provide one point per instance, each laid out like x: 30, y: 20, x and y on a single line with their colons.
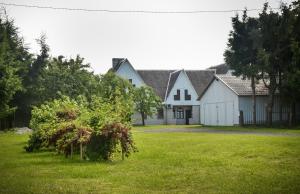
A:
x: 166, y: 162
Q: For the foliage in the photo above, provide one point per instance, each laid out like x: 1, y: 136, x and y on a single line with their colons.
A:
x: 105, y: 144
x: 242, y: 52
x: 13, y: 55
x: 70, y: 77
x: 69, y: 125
x: 146, y: 101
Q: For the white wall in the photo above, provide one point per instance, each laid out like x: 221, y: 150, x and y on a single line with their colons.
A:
x: 126, y: 71
x: 181, y: 84
x: 219, y: 105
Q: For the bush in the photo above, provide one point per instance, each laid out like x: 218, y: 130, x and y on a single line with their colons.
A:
x: 113, y: 136
x: 97, y: 129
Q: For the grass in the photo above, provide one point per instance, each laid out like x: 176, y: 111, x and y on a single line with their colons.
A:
x: 166, y: 162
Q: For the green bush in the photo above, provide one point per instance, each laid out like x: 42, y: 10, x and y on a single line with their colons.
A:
x: 98, y: 129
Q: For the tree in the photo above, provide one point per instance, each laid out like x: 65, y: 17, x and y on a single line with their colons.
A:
x: 275, y: 53
x: 291, y: 82
x: 69, y: 77
x: 242, y: 51
x: 146, y: 102
x: 13, y: 58
x: 33, y: 93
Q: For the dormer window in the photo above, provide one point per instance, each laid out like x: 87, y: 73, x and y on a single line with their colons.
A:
x: 177, y: 96
x: 187, y: 96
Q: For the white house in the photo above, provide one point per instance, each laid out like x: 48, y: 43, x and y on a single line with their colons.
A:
x: 178, y: 89
x: 228, y: 97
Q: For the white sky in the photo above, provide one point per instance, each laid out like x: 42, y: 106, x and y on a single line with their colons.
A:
x: 149, y: 41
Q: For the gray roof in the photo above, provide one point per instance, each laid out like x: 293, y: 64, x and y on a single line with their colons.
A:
x: 220, y: 69
x: 157, y: 79
x: 173, y: 78
x: 242, y: 87
x: 200, y: 79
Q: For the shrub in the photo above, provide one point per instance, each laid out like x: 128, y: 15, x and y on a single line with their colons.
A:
x: 97, y: 129
x: 112, y: 136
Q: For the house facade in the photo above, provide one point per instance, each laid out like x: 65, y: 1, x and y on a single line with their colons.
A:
x: 179, y: 91
x: 201, y: 96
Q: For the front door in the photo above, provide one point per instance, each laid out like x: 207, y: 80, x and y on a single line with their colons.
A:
x: 188, y: 114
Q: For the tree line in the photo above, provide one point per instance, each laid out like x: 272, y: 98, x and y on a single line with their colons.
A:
x: 267, y: 49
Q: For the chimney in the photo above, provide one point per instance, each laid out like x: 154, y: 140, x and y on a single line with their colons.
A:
x: 116, y: 61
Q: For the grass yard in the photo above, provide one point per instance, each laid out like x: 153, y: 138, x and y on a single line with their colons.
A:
x: 166, y: 162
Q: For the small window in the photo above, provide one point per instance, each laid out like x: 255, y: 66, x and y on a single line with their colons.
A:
x: 180, y: 114
x: 177, y: 96
x: 160, y: 113
x: 187, y: 96
x: 133, y: 85
x: 130, y: 80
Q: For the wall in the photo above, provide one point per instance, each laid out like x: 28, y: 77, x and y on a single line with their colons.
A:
x: 126, y: 71
x: 245, y: 104
x: 219, y: 97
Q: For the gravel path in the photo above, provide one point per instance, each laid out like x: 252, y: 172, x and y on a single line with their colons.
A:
x: 217, y: 131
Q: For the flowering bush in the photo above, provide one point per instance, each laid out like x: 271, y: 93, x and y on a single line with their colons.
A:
x: 96, y: 129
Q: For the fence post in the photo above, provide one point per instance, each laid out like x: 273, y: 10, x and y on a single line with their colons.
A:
x: 241, y: 118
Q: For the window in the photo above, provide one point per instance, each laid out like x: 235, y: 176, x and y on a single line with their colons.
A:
x: 133, y: 85
x: 186, y: 95
x: 160, y: 113
x: 177, y: 96
x: 180, y: 114
x: 130, y: 80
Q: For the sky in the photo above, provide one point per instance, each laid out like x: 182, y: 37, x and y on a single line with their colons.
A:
x: 148, y: 41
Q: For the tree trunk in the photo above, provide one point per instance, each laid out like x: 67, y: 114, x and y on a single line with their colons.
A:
x: 71, y: 150
x: 291, y: 115
x: 81, y: 150
x: 143, y: 118
x: 253, y: 99
x: 280, y: 99
x: 270, y: 109
x: 123, y: 155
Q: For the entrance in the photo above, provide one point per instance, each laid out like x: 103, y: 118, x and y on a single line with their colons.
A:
x: 188, y: 115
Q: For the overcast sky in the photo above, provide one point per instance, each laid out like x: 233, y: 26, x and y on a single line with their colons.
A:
x: 149, y: 41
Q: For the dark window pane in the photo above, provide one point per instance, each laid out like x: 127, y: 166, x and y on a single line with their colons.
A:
x: 177, y: 96
x: 186, y: 95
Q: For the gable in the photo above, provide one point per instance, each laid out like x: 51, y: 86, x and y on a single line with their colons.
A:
x: 182, y: 83
x: 126, y: 71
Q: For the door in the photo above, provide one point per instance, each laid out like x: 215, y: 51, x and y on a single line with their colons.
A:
x: 220, y: 113
x: 188, y: 115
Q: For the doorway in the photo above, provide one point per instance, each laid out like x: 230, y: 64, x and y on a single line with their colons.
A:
x: 188, y: 115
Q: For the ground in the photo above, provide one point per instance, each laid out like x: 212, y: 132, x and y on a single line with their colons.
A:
x: 203, y: 160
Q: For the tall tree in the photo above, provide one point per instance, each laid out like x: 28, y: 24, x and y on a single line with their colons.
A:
x: 241, y: 54
x: 146, y: 102
x: 274, y: 55
x: 291, y: 82
x: 32, y: 94
x: 70, y: 77
x: 13, y: 57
